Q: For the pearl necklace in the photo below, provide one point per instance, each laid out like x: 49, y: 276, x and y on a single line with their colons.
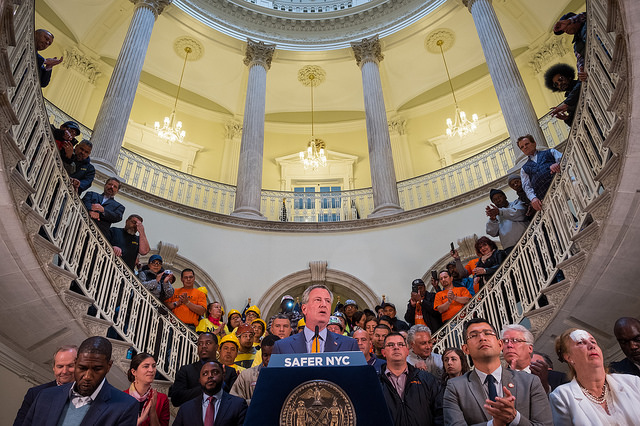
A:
x: 596, y: 399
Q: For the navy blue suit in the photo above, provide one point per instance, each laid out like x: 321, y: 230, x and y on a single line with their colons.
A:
x: 626, y: 366
x: 232, y: 411
x: 296, y: 344
x: 28, y: 400
x: 113, y: 211
x: 111, y: 407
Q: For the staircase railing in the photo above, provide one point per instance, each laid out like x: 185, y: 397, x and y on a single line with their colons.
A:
x: 41, y: 187
x: 552, y: 248
x: 487, y: 166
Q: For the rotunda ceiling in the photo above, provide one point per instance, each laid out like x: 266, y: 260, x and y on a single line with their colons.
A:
x: 308, y: 25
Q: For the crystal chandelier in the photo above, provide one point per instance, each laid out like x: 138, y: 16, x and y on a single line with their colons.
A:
x: 168, y: 131
x: 460, y: 125
x: 314, y: 157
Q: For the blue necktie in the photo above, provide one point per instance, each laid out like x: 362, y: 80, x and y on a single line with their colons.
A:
x: 493, y: 392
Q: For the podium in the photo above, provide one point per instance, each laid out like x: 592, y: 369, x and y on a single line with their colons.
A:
x: 323, y: 389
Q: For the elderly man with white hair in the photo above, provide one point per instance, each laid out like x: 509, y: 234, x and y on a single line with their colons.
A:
x: 420, y: 353
x: 517, y: 351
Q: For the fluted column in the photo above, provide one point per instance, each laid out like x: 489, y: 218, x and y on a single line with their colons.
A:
x: 113, y: 117
x: 515, y: 103
x: 383, y: 177
x: 258, y: 59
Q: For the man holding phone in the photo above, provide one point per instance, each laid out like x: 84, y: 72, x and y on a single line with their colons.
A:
x: 420, y: 307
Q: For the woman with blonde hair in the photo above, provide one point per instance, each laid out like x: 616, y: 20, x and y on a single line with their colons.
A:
x: 593, y: 397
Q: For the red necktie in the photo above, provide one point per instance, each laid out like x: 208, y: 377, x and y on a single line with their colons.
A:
x: 210, y: 416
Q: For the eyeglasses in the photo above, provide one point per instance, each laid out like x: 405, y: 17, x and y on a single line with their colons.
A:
x: 155, y: 262
x: 514, y: 341
x: 475, y: 334
x: 399, y: 345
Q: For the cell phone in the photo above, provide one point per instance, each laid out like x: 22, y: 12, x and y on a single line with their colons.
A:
x: 434, y: 275
x: 452, y: 247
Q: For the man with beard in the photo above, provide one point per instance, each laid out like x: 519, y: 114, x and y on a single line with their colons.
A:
x: 213, y: 405
x: 561, y: 78
x: 44, y: 39
x: 88, y: 400
x: 187, y: 383
x: 102, y: 208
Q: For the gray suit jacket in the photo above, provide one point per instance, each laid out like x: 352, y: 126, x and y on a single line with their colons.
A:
x: 465, y: 397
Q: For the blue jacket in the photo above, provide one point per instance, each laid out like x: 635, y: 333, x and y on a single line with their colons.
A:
x: 113, y: 211
x: 111, y: 407
x: 28, y: 401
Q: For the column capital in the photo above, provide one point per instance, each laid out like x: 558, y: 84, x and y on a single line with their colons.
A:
x: 259, y: 53
x: 367, y: 50
x: 156, y: 6
x: 469, y: 3
x: 232, y: 129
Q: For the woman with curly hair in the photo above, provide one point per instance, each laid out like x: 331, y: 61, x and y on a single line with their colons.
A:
x: 562, y: 78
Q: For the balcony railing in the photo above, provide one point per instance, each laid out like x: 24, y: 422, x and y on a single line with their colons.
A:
x: 553, y: 242
x: 459, y: 178
x: 575, y: 203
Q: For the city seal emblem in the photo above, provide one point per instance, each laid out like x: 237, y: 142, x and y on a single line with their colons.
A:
x: 318, y: 403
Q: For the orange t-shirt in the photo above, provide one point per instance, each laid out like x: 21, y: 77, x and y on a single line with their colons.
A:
x: 183, y: 313
x: 471, y: 265
x: 441, y: 299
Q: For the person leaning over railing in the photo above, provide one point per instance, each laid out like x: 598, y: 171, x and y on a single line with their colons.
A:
x: 44, y: 39
x: 561, y: 78
x: 537, y: 173
x: 593, y: 396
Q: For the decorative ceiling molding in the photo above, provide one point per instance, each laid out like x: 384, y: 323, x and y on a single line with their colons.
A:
x: 311, y: 75
x: 446, y: 35
x: 300, y: 31
x: 181, y: 43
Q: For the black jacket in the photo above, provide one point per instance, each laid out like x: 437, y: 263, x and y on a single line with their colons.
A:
x: 422, y: 402
x: 431, y: 317
x: 491, y: 265
x: 187, y: 383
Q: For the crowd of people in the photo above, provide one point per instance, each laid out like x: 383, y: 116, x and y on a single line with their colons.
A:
x: 510, y: 383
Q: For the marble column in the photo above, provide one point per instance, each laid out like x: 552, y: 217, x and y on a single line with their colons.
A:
x: 515, y: 103
x: 383, y: 177
x: 249, y: 185
x: 231, y: 152
x: 113, y: 117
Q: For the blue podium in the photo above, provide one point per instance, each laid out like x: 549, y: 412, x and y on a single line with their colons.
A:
x: 324, y: 389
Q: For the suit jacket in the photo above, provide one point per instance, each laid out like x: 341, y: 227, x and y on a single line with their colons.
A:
x: 296, y: 344
x: 556, y: 378
x: 626, y: 366
x: 113, y: 211
x: 111, y: 407
x: 186, y: 386
x: 43, y: 73
x: 231, y: 412
x: 465, y: 397
x: 571, y: 407
x: 28, y: 400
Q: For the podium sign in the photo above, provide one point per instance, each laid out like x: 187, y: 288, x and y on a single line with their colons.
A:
x: 323, y: 389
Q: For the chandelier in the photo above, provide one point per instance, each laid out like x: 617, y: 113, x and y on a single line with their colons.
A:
x: 170, y: 132
x: 314, y: 157
x: 460, y: 125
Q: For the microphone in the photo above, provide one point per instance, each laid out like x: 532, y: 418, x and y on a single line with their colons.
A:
x: 317, y: 333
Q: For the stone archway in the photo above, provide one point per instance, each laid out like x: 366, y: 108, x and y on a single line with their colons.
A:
x: 342, y: 284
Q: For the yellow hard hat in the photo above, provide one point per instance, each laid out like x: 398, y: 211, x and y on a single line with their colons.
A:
x: 230, y: 338
x: 301, y: 323
x: 203, y: 289
x: 255, y: 309
x: 233, y: 311
x: 264, y: 324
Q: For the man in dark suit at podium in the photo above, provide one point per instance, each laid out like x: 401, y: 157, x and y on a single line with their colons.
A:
x: 316, y: 307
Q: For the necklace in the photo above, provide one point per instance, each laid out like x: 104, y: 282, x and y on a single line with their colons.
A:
x: 596, y: 399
